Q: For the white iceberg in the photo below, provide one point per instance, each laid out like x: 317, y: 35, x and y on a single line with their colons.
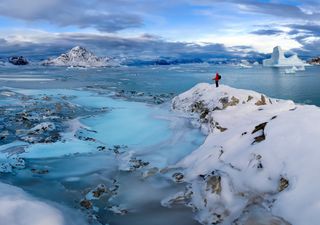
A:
x: 245, y: 64
x: 278, y: 59
x: 294, y: 69
x: 80, y: 57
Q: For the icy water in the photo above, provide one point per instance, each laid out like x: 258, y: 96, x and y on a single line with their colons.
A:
x: 100, y: 141
x: 302, y: 87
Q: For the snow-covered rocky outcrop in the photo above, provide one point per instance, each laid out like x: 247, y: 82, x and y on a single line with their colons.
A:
x: 314, y: 61
x: 258, y: 163
x: 80, y: 57
x: 278, y: 59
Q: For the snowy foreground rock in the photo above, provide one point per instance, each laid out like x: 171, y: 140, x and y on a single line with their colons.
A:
x: 80, y: 57
x: 278, y: 59
x: 258, y: 163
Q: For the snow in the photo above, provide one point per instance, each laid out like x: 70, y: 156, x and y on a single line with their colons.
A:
x: 18, y: 208
x: 253, y: 174
x: 278, y: 59
x: 80, y: 57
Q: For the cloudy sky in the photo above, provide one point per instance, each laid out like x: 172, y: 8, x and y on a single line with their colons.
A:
x: 212, y: 28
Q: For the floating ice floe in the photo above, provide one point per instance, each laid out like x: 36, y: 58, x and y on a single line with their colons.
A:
x: 294, y: 69
x: 258, y: 160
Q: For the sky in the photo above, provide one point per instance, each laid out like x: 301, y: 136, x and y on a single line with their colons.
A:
x: 154, y: 28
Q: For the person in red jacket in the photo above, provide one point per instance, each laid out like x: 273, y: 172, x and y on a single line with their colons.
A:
x: 216, y: 79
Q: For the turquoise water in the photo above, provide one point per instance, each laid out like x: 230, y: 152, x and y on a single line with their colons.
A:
x: 302, y: 87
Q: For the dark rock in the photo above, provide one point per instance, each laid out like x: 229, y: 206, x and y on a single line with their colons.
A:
x: 86, y: 204
x: 39, y: 171
x: 260, y: 127
x: 283, y: 184
x: 178, y: 177
x: 314, y: 61
x: 98, y: 191
x: 261, y: 137
x: 18, y: 60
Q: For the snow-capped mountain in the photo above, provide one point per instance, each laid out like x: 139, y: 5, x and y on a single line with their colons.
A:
x: 80, y: 57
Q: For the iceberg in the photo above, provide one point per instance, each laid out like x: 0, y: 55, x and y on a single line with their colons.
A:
x: 278, y: 59
x: 80, y: 57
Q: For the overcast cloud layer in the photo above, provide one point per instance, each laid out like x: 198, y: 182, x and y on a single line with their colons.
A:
x: 149, y: 28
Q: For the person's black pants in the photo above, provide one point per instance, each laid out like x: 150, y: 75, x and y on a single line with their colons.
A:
x: 217, y: 83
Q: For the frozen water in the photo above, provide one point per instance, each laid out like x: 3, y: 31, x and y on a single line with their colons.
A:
x: 107, y: 134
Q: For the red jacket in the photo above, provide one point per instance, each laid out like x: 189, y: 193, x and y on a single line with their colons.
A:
x: 217, y: 77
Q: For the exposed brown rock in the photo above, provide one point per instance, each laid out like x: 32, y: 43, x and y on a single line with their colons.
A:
x: 283, y: 184
x: 86, y: 204
x: 260, y: 127
x: 262, y: 101
x: 261, y: 137
x: 214, y: 184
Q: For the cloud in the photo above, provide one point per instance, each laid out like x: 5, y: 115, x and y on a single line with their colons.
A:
x: 143, y: 47
x: 267, y: 32
x: 306, y: 10
x: 106, y: 16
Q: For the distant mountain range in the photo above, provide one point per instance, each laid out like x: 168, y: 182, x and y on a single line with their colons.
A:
x: 81, y: 57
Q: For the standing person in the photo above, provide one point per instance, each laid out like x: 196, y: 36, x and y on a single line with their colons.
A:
x: 216, y: 79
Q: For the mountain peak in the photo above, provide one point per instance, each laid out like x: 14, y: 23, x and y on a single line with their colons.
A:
x: 78, y: 56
